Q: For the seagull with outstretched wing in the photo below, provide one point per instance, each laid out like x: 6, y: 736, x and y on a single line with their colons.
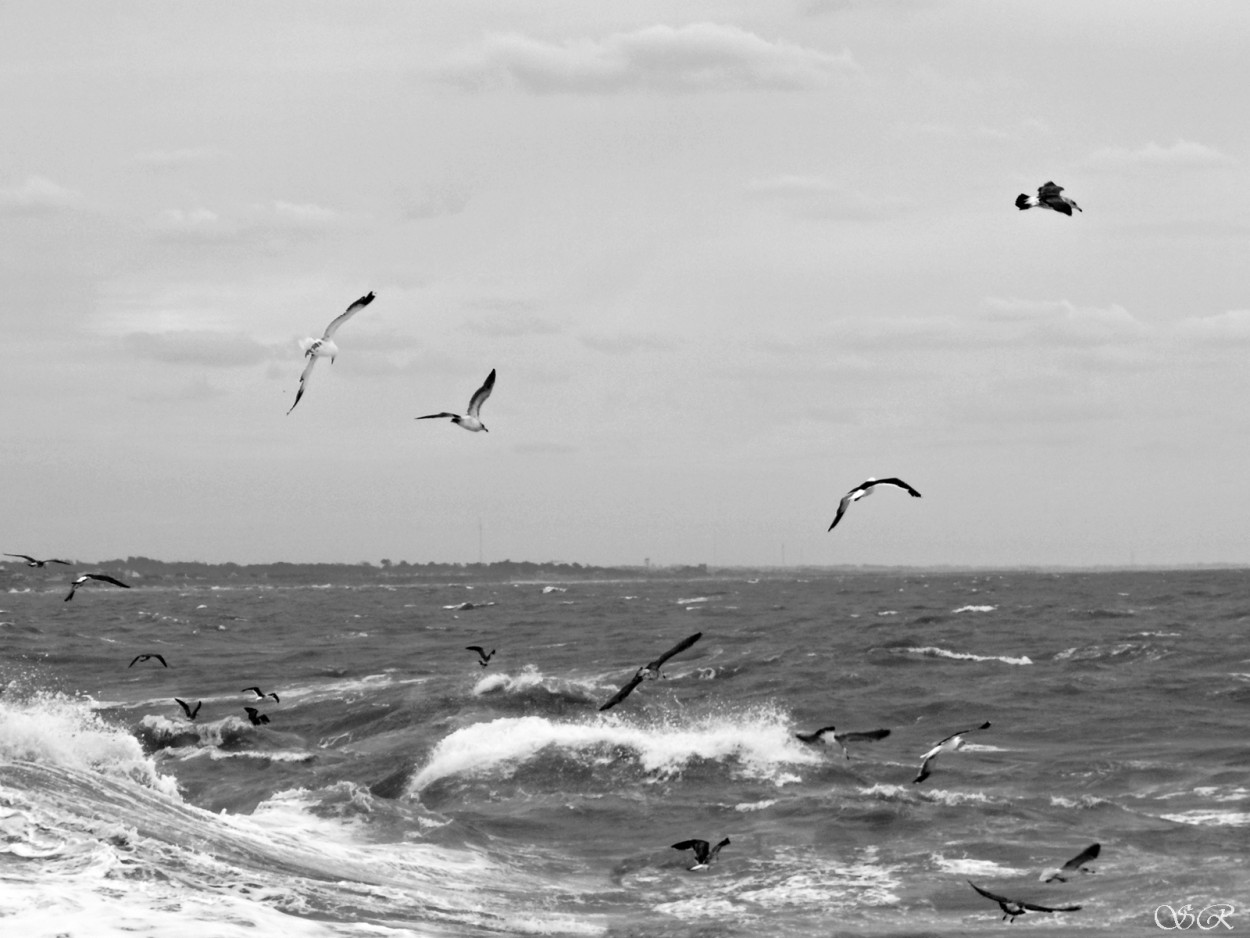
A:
x: 1013, y: 907
x: 325, y: 347
x: 949, y: 744
x: 102, y: 577
x: 649, y: 672
x: 863, y: 490
x: 704, y: 853
x: 32, y: 562
x: 472, y: 420
x: 1075, y: 865
x: 818, y: 737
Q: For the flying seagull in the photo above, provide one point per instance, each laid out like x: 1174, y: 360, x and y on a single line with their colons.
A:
x: 470, y: 421
x: 256, y: 716
x: 260, y: 695
x: 320, y: 348
x: 32, y: 562
x: 483, y: 658
x: 949, y: 744
x: 818, y: 737
x: 147, y: 658
x: 863, y: 490
x: 187, y: 709
x: 93, y: 576
x: 649, y: 672
x: 1048, y: 197
x: 704, y: 853
x: 1075, y: 865
x: 1013, y: 907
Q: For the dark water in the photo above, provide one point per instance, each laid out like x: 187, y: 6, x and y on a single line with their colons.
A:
x: 401, y: 789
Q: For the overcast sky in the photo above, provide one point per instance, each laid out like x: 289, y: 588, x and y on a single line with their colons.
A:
x: 729, y: 259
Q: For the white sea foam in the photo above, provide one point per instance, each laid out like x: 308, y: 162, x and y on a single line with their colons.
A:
x: 1210, y: 818
x: 976, y: 609
x: 56, y: 730
x: 965, y: 866
x: 760, y: 742
x: 931, y: 651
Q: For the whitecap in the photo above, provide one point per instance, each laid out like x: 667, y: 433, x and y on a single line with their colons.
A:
x: 932, y: 651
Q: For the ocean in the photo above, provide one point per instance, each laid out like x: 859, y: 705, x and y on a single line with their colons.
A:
x: 400, y: 788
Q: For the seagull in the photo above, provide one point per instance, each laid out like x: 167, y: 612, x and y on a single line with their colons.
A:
x: 1013, y: 907
x: 1048, y: 197
x: 256, y: 716
x: 319, y: 348
x: 704, y: 854
x: 470, y: 421
x: 260, y: 695
x: 863, y: 490
x: 32, y: 562
x: 186, y: 708
x: 147, y: 658
x: 481, y: 654
x: 1075, y: 865
x: 93, y: 576
x: 949, y: 744
x: 818, y: 737
x: 649, y: 672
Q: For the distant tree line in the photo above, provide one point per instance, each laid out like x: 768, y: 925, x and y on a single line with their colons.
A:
x: 365, y: 572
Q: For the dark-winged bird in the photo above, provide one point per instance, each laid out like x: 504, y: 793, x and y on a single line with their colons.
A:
x: 1013, y: 907
x: 325, y: 347
x: 1075, y: 865
x: 186, y: 708
x: 818, y: 737
x: 649, y: 672
x: 138, y: 658
x: 102, y: 577
x: 260, y: 694
x: 863, y: 490
x: 483, y: 658
x: 1048, y: 197
x: 256, y: 716
x: 704, y: 853
x: 949, y: 744
x: 471, y: 420
x: 32, y: 562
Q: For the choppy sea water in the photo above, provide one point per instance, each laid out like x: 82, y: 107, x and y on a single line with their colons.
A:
x: 402, y: 789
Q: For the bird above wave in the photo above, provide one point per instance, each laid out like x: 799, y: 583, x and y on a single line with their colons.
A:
x: 255, y: 716
x: 704, y: 853
x: 1075, y: 865
x: 483, y: 658
x: 863, y: 490
x: 949, y: 744
x: 472, y: 419
x: 102, y: 577
x: 818, y: 737
x: 650, y: 671
x: 1013, y: 907
x: 147, y: 658
x: 260, y: 694
x: 32, y: 562
x: 325, y: 347
x: 1048, y: 197
x: 186, y: 708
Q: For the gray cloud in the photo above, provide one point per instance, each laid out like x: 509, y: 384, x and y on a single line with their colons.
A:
x: 1183, y: 154
x: 695, y: 57
x: 37, y: 195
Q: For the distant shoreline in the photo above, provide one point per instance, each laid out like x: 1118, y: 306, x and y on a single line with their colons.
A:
x: 402, y: 572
